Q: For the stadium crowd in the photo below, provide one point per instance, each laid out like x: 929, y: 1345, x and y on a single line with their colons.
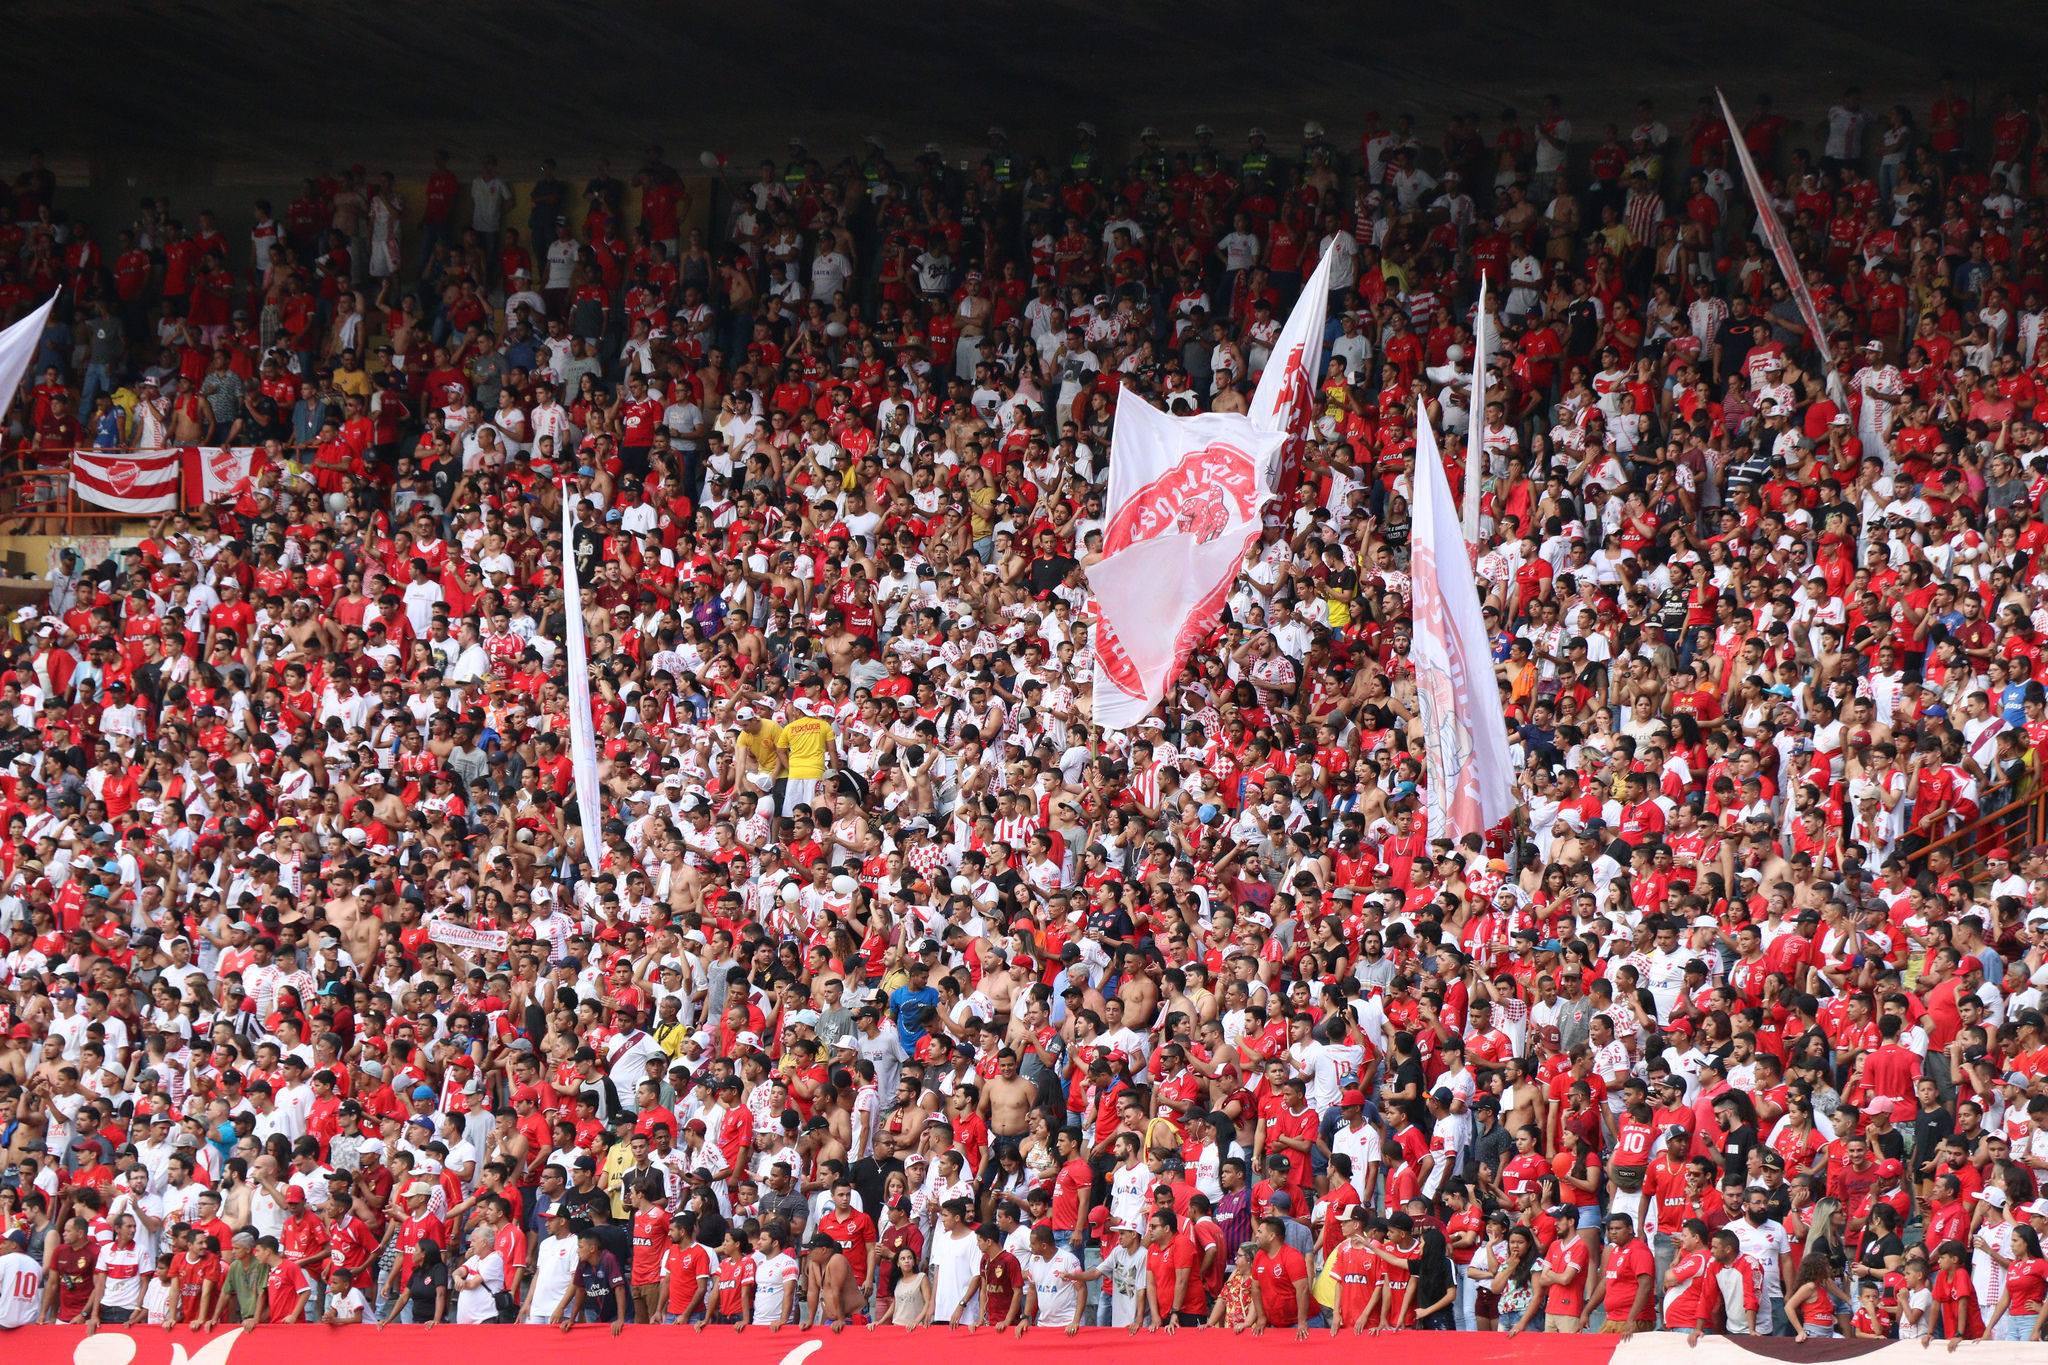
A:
x: 903, y: 994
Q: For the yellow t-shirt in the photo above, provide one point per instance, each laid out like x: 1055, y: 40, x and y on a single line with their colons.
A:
x: 762, y: 744
x: 807, y: 740
x: 981, y: 512
x: 617, y: 1163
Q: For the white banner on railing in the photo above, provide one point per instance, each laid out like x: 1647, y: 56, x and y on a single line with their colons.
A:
x: 462, y: 936
x: 143, y: 482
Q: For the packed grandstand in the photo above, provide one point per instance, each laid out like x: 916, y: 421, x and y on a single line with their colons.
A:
x: 900, y: 991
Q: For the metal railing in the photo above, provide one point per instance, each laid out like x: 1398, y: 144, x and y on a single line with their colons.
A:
x: 2018, y: 824
x: 36, y: 499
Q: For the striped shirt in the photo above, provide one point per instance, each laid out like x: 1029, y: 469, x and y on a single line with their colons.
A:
x: 1642, y: 212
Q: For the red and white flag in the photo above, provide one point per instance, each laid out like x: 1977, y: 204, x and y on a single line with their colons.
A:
x: 1465, y: 740
x: 1186, y: 496
x: 1285, y: 400
x: 220, y: 473
x: 142, y: 482
x: 582, y: 730
x: 1773, y: 233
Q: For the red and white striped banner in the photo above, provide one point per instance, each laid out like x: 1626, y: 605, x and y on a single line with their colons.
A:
x: 144, y: 482
x: 147, y: 481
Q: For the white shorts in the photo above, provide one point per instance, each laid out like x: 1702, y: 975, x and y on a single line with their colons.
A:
x: 799, y: 791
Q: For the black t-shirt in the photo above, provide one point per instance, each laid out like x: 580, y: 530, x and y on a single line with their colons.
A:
x: 422, y: 1286
x: 580, y: 1202
x: 1408, y: 1076
x: 1874, y: 1250
x: 1049, y: 571
x: 1581, y: 325
x: 589, y: 550
x: 1735, y: 1150
x: 1736, y: 337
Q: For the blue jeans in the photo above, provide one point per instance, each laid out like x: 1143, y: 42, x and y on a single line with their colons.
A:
x: 2015, y: 1327
x: 99, y: 379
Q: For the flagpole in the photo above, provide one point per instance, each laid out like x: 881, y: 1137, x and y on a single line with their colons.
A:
x: 582, y: 735
x: 1475, y: 424
x: 1780, y: 245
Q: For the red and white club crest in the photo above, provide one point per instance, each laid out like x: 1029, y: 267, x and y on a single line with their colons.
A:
x: 121, y: 476
x: 1204, y: 492
x: 222, y: 462
x: 1203, y: 516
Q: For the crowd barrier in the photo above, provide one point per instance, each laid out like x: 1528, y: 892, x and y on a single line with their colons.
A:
x: 447, y: 1345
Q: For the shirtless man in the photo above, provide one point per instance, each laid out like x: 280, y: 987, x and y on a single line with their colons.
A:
x: 359, y: 928
x: 829, y: 1285
x: 29, y: 1121
x: 999, y: 987
x: 1007, y: 1104
x: 1138, y: 991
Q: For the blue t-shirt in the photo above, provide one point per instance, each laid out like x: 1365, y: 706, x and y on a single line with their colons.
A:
x: 902, y: 998
x: 2010, y: 706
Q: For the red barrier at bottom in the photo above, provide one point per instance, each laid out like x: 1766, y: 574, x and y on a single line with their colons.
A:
x: 494, y: 1345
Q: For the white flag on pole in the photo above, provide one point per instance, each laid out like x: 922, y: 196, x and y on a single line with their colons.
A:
x: 1285, y: 400
x: 18, y: 350
x: 1475, y: 420
x: 1186, y: 496
x: 582, y: 736
x: 1465, y: 739
x: 1773, y: 233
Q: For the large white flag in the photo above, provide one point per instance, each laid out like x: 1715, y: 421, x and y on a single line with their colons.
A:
x: 582, y: 737
x: 1464, y: 735
x: 18, y: 350
x: 1773, y: 233
x: 1186, y: 496
x: 1285, y: 400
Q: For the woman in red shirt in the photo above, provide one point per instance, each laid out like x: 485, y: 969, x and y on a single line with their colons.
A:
x: 1814, y: 1306
x: 2017, y: 1314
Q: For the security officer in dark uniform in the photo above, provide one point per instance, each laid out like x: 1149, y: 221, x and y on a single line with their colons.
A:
x: 932, y: 162
x: 873, y: 162
x: 1316, y: 149
x: 1258, y: 162
x: 1086, y: 159
x: 1001, y: 161
x: 1151, y: 159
